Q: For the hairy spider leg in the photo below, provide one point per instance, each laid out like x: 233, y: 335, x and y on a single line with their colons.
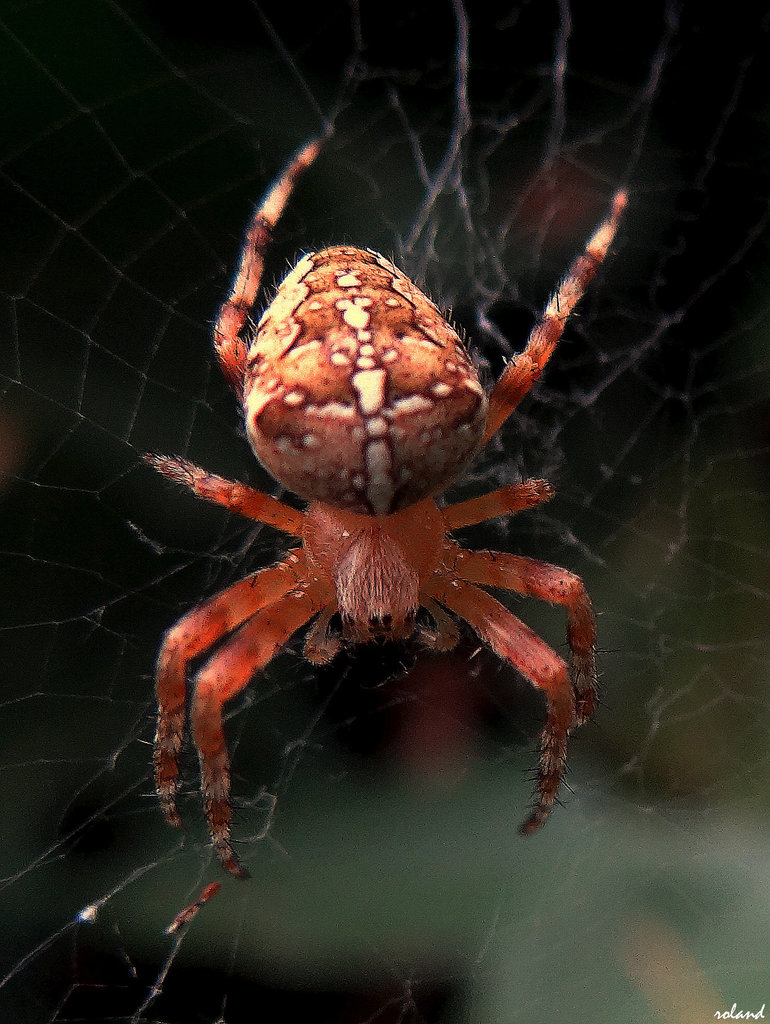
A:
x: 510, y: 639
x: 526, y: 368
x: 231, y: 349
x: 221, y: 678
x: 505, y: 501
x: 546, y: 582
x: 192, y: 636
x: 236, y: 497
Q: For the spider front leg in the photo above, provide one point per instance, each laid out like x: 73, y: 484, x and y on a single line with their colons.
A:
x: 526, y: 368
x: 224, y: 676
x: 232, y: 349
x: 192, y: 636
x: 510, y: 639
x: 550, y: 583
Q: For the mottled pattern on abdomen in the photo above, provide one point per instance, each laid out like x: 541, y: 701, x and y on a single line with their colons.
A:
x: 358, y: 392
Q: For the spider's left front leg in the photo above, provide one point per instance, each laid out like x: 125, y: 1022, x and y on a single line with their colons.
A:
x: 510, y: 639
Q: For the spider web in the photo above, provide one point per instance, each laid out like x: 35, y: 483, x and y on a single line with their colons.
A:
x: 377, y: 801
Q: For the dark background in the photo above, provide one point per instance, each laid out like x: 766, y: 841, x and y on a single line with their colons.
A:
x: 378, y: 803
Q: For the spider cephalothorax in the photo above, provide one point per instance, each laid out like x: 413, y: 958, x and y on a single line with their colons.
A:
x: 360, y: 397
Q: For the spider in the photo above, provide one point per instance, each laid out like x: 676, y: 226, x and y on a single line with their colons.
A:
x: 360, y: 398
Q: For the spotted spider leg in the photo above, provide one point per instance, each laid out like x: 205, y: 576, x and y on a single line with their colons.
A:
x: 527, y: 367
x: 533, y: 578
x: 521, y: 647
x: 271, y: 603
x: 234, y: 315
x: 237, y: 497
x: 221, y: 677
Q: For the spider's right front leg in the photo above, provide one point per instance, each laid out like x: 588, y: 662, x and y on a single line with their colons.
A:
x: 194, y: 634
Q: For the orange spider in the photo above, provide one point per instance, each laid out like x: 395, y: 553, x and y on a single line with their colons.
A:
x: 359, y: 397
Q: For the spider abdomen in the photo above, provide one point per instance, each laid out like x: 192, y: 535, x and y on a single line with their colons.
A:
x: 358, y: 392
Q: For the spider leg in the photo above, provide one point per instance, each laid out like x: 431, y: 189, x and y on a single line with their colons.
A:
x: 526, y: 368
x: 235, y: 496
x: 189, y: 638
x: 223, y: 676
x: 503, y: 502
x: 522, y: 648
x: 547, y: 583
x: 231, y: 348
